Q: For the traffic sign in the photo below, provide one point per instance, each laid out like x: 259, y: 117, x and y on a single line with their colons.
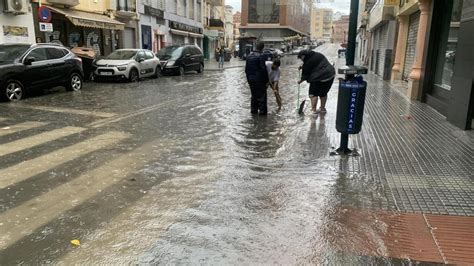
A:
x: 44, y: 14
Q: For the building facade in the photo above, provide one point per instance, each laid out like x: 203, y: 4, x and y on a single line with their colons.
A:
x: 340, y: 29
x: 321, y: 24
x: 229, y: 26
x: 236, y: 24
x: 184, y: 19
x: 432, y: 59
x: 214, y: 27
x: 17, y: 25
x: 79, y: 23
x: 272, y: 21
x: 382, y: 25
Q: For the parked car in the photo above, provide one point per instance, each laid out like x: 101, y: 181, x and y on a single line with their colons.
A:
x: 127, y: 64
x: 27, y: 67
x: 179, y: 59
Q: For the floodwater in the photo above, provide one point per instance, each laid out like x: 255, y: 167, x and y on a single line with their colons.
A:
x: 192, y: 178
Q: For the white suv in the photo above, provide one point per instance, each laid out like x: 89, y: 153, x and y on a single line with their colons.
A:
x: 130, y: 64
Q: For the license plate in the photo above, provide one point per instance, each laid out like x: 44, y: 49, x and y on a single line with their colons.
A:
x: 106, y: 73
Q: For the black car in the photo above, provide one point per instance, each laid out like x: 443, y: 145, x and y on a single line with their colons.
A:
x: 179, y: 59
x: 26, y: 67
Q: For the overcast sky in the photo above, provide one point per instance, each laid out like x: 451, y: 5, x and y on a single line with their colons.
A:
x: 338, y: 5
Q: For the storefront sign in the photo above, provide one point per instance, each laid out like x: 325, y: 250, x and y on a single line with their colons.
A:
x: 155, y: 12
x: 46, y: 27
x: 183, y: 27
x: 44, y: 14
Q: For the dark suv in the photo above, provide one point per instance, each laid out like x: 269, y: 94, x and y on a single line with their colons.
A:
x: 26, y: 67
x: 179, y: 59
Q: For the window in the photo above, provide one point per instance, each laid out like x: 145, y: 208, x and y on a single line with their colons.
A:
x: 149, y: 55
x: 39, y: 54
x: 263, y: 11
x: 140, y: 55
x: 55, y: 53
x: 448, y: 43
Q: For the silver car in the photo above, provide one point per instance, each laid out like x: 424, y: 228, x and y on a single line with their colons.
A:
x: 129, y: 64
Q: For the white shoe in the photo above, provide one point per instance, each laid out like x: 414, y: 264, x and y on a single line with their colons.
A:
x: 320, y: 111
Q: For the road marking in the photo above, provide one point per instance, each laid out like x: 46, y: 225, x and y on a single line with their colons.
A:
x: 104, y: 122
x: 67, y: 110
x: 20, y: 127
x: 26, y: 143
x: 30, y: 168
x: 26, y: 218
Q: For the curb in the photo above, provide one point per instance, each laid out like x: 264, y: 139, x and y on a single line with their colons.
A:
x: 220, y: 69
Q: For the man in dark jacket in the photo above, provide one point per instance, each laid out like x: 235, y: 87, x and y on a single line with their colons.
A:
x: 319, y: 73
x: 257, y: 77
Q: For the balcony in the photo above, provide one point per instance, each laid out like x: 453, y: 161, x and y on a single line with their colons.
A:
x: 216, y: 23
x: 126, y: 8
x: 381, y: 12
x: 68, y: 3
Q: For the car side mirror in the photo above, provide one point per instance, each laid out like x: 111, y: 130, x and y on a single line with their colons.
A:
x: 141, y: 60
x: 187, y: 55
x: 29, y: 60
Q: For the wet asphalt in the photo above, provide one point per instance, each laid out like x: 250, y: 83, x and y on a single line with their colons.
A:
x: 172, y: 170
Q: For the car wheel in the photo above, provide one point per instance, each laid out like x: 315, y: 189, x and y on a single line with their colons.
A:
x: 201, y: 68
x: 13, y: 91
x: 181, y: 71
x: 75, y: 82
x: 157, y: 72
x: 133, y: 76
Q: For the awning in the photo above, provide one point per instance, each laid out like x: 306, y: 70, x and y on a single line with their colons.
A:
x: 180, y: 32
x: 91, y: 20
x: 195, y: 35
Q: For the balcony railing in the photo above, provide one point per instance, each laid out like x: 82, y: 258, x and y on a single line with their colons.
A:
x: 127, y: 6
x: 215, y: 22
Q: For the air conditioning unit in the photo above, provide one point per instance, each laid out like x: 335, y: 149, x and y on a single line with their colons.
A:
x: 16, y: 6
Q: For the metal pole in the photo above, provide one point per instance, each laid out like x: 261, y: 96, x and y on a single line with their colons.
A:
x: 350, y: 58
x: 351, y: 40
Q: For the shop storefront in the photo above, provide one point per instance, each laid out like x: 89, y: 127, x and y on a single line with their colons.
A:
x: 185, y: 34
x: 449, y: 76
x: 75, y: 28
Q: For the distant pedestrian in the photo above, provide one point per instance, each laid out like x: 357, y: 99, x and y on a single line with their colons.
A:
x: 221, y: 57
x: 273, y: 69
x: 319, y: 73
x: 257, y: 77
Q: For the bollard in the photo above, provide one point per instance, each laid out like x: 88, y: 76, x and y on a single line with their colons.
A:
x: 350, y: 105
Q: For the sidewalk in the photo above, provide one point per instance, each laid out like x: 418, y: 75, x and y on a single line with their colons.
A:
x: 213, y: 65
x: 414, y: 177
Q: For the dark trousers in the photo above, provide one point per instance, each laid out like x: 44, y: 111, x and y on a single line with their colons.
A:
x: 259, y: 97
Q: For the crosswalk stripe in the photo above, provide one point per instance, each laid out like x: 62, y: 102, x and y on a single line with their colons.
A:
x: 20, y: 127
x: 29, y: 142
x: 24, y: 219
x: 67, y: 110
x: 27, y: 169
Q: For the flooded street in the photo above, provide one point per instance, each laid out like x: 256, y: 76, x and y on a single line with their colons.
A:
x: 177, y: 171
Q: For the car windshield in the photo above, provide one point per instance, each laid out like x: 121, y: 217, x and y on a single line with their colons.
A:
x: 121, y: 55
x: 9, y: 53
x: 170, y: 52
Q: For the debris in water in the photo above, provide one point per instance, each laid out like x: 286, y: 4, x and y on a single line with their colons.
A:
x: 75, y: 242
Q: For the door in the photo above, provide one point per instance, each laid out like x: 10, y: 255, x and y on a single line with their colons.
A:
x: 58, y: 67
x: 447, y: 26
x: 38, y: 73
x: 188, y: 59
x: 141, y: 60
x: 129, y: 38
x: 151, y: 63
x: 411, y: 44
